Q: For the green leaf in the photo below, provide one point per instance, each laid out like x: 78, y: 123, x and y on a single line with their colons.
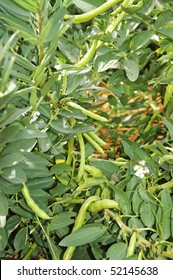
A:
x: 138, y: 154
x: 117, y: 251
x: 14, y: 175
x: 16, y: 24
x: 62, y: 220
x: 51, y: 28
x: 163, y: 18
x: 168, y: 32
x: 141, y: 39
x: 12, y: 223
x: 123, y: 200
x: 3, y: 238
x: 83, y: 235
x: 23, y: 145
x: 22, y: 61
x: 2, y: 221
x: 136, y: 202
x: 106, y: 166
x: 169, y: 124
x: 30, y: 5
x: 12, y: 114
x: 131, y: 66
x: 15, y: 9
x: 61, y: 126
x: 54, y: 249
x: 21, y: 212
x: 70, y: 50
x: 10, y: 159
x: 147, y: 214
x: 88, y: 5
x: 4, y: 205
x: 21, y: 238
x: 106, y: 61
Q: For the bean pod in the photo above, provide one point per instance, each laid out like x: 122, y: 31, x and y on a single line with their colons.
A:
x: 34, y: 207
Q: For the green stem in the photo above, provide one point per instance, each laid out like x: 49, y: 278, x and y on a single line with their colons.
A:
x: 64, y: 85
x: 82, y: 158
x: 28, y: 255
x: 92, y: 14
x: 70, y: 150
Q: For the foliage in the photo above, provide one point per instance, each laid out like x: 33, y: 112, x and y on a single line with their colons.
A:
x: 86, y: 129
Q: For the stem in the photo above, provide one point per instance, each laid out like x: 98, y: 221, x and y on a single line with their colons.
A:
x: 27, y: 256
x: 82, y: 158
x: 92, y: 14
x: 64, y: 85
x: 70, y: 150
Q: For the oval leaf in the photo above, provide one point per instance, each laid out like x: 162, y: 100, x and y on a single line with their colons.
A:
x: 84, y: 235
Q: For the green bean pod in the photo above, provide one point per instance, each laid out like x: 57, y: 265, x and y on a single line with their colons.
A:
x: 132, y: 244
x: 103, y: 204
x: 93, y: 143
x: 92, y: 14
x: 88, y: 56
x: 86, y: 112
x: 34, y: 207
x: 96, y: 138
x: 78, y: 223
x: 94, y: 171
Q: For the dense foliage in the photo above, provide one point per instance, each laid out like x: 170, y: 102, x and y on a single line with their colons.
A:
x: 86, y: 129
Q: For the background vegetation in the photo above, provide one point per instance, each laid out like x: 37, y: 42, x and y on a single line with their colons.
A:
x: 86, y: 129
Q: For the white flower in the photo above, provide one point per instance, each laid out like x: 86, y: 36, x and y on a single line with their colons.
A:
x: 35, y: 116
x: 141, y: 169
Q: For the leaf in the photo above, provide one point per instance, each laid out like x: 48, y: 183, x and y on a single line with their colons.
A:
x: 138, y: 154
x: 14, y: 9
x: 21, y: 238
x: 62, y: 220
x: 106, y: 61
x: 168, y: 32
x: 83, y: 235
x: 88, y: 5
x: 136, y: 202
x: 70, y: 50
x: 10, y: 159
x: 165, y: 222
x: 12, y: 223
x: 147, y: 214
x: 3, y: 239
x: 141, y: 39
x: 61, y: 126
x: 4, y: 205
x: 54, y: 249
x: 123, y: 200
x: 163, y: 18
x: 12, y: 114
x: 2, y: 221
x: 51, y: 28
x: 29, y: 5
x: 117, y: 251
x: 23, y: 145
x: 107, y: 167
x: 131, y: 66
x: 169, y: 125
x: 14, y: 175
x: 61, y: 168
x: 16, y: 24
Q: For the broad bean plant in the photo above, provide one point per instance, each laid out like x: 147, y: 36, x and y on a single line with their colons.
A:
x: 86, y: 129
